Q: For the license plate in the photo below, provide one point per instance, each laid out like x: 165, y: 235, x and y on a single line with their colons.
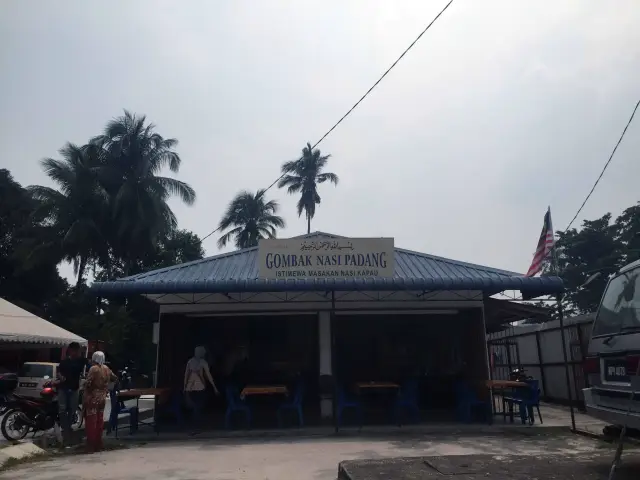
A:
x: 615, y: 370
x: 29, y: 385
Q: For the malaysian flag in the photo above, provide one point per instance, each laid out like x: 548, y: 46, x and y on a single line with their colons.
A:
x: 545, y: 245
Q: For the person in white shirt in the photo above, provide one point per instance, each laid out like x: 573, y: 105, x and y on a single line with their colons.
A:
x: 195, y: 377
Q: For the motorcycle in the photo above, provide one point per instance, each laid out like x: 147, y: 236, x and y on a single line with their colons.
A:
x: 518, y: 374
x: 25, y: 415
x: 8, y: 383
x: 125, y: 378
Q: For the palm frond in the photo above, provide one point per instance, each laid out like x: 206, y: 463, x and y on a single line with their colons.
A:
x: 293, y: 183
x: 271, y: 206
x: 290, y: 166
x: 60, y: 172
x: 45, y: 194
x: 224, y: 239
x: 274, y: 221
x: 331, y: 177
x: 300, y: 206
x: 178, y: 188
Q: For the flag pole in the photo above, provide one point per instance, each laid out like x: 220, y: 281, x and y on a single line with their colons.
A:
x: 556, y: 271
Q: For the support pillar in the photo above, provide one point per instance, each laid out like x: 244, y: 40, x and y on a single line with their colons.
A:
x: 156, y: 340
x: 487, y: 352
x: 326, y: 364
x: 566, y: 360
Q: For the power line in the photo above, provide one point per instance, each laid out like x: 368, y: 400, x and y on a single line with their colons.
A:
x: 604, y: 169
x: 355, y: 105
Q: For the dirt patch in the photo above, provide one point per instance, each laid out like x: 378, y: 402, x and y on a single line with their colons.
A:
x: 476, y: 467
x: 58, y: 453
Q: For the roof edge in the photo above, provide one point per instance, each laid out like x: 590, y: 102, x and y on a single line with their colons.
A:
x: 535, y: 286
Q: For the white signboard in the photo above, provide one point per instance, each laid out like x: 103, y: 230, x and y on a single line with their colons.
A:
x: 326, y: 258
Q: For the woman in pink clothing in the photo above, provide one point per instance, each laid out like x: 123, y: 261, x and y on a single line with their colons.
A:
x: 196, y: 376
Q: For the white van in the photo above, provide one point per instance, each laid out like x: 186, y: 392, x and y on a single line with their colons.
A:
x: 33, y: 375
x: 613, y: 361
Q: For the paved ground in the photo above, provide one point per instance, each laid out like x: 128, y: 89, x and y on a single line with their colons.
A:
x: 290, y: 458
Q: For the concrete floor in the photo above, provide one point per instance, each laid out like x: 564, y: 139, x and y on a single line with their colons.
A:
x: 288, y: 458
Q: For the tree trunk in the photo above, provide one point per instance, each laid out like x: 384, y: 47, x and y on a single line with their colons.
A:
x: 308, y: 223
x: 82, y: 266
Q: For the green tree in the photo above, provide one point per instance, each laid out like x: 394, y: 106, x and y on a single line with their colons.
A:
x: 134, y: 157
x: 250, y: 218
x: 31, y: 285
x: 15, y: 212
x: 627, y: 227
x: 303, y: 176
x: 179, y: 246
x: 595, y: 248
x: 75, y: 211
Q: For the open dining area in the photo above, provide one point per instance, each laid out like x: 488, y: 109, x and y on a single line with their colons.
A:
x: 381, y: 371
x: 386, y: 337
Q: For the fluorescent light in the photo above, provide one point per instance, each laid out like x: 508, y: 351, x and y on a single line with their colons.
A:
x: 396, y: 312
x: 338, y: 312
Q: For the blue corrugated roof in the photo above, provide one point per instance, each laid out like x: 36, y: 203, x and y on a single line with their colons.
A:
x: 238, y: 272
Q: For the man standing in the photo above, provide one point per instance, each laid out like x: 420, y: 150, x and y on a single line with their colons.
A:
x: 70, y: 371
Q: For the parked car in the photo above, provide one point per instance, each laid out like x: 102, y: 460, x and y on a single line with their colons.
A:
x: 613, y: 361
x: 33, y: 375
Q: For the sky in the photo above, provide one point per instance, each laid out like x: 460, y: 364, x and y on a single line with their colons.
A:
x: 501, y: 109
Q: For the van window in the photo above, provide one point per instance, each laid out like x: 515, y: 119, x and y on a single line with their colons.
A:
x: 620, y: 308
x: 36, y: 370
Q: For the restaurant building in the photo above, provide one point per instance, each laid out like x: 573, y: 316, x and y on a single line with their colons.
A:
x: 334, y: 313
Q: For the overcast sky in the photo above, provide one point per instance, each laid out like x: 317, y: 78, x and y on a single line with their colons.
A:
x: 503, y: 108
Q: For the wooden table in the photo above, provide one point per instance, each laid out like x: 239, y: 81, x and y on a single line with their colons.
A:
x: 264, y: 390
x: 376, y: 385
x: 140, y: 392
x: 502, y: 384
x: 160, y: 395
x: 494, y: 385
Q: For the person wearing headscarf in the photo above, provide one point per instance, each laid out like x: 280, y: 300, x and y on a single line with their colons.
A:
x: 94, y: 400
x: 196, y: 375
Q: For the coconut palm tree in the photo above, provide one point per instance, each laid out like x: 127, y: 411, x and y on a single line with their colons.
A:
x: 135, y: 155
x: 251, y: 218
x: 72, y: 213
x: 303, y: 176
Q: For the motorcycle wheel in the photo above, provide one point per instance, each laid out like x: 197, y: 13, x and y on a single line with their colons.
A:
x: 78, y: 419
x: 13, y: 428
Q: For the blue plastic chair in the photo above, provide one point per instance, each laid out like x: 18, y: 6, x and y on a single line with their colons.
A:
x: 174, y: 407
x: 118, y: 408
x: 347, y: 401
x: 295, y: 404
x: 235, y: 404
x: 468, y: 403
x: 526, y: 399
x: 407, y: 400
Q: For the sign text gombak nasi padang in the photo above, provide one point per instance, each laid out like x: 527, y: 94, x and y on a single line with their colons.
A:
x: 327, y: 258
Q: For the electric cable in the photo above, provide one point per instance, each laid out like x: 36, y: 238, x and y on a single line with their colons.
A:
x: 355, y: 105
